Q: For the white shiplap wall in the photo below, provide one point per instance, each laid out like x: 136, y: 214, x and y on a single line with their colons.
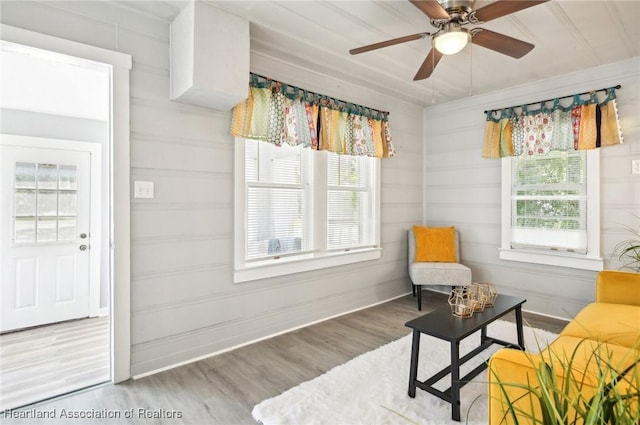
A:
x: 463, y: 189
x: 184, y: 303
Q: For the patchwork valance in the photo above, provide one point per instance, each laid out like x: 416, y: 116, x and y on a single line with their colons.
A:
x: 279, y: 113
x: 583, y: 124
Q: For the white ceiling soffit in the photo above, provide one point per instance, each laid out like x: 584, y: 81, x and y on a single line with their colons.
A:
x: 569, y: 35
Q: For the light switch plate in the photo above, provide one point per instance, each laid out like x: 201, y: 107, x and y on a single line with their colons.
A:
x: 635, y: 166
x: 143, y: 189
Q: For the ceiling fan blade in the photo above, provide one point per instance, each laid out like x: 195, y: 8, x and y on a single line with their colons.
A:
x: 388, y: 43
x: 428, y: 65
x: 504, y: 7
x: 431, y: 8
x: 500, y: 43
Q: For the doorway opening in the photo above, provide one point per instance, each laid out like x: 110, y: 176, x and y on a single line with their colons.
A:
x: 55, y: 280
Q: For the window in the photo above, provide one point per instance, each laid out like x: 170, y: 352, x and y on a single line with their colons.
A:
x: 45, y: 203
x: 551, y: 209
x: 299, y: 209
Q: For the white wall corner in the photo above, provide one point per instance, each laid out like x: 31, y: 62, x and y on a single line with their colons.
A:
x: 209, y: 57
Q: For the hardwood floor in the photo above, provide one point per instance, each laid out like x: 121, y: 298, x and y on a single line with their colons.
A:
x: 223, y: 389
x: 43, y: 362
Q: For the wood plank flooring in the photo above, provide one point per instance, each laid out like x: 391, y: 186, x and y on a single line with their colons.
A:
x: 43, y: 362
x: 223, y: 389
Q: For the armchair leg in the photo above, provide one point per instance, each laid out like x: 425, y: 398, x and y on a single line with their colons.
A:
x: 413, y: 289
x: 419, y: 289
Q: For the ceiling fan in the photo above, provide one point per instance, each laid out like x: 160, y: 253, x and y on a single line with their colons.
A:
x: 449, y: 17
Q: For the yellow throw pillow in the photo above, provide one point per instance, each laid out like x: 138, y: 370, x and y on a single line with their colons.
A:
x: 435, y: 244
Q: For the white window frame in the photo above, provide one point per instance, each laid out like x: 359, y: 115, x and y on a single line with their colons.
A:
x: 591, y: 260
x: 320, y: 257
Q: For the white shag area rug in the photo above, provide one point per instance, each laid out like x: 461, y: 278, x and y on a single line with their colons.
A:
x: 372, y: 388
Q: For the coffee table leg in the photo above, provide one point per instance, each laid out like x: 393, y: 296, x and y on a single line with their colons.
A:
x: 413, y: 370
x: 455, y: 380
x: 519, y: 327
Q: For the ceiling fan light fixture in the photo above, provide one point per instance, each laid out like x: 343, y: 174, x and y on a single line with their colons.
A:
x: 452, y: 40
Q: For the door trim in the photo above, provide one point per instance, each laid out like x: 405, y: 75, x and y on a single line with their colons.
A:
x: 119, y: 186
x: 96, y: 207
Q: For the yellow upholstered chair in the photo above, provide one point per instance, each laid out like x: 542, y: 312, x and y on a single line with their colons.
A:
x: 434, y: 255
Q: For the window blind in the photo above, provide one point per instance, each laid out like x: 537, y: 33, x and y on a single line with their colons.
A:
x: 348, y: 196
x: 276, y: 197
x: 548, y: 202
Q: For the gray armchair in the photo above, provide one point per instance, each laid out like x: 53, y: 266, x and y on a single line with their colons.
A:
x: 428, y: 273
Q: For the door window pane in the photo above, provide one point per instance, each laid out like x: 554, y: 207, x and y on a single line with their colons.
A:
x: 25, y: 176
x: 67, y: 203
x: 67, y: 178
x: 47, y: 176
x: 67, y: 229
x: 25, y: 230
x: 47, y: 203
x: 25, y: 203
x: 47, y: 230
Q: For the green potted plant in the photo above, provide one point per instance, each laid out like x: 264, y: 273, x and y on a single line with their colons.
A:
x: 628, y: 251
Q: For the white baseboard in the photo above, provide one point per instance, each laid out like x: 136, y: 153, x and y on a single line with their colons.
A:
x: 551, y: 316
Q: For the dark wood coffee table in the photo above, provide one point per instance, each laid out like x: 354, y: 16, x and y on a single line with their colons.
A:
x: 441, y: 324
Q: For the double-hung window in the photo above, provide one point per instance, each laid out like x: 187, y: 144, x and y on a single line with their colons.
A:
x: 297, y: 209
x: 551, y: 209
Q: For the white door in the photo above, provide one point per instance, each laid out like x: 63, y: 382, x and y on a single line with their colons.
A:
x: 45, y: 231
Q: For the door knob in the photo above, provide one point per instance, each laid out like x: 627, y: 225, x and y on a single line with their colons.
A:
x: 83, y: 235
x: 83, y: 247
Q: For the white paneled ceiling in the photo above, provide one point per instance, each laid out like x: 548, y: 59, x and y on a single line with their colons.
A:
x: 569, y: 35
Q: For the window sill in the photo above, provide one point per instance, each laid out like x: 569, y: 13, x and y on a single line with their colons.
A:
x: 291, y: 265
x: 559, y: 259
